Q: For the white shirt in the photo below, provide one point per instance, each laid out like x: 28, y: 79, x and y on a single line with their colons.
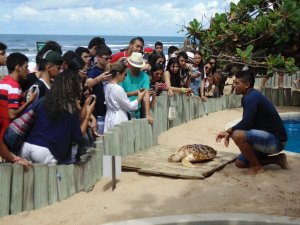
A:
x: 117, y: 104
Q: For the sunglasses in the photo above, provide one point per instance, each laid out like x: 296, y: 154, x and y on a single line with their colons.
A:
x: 212, y: 63
x: 206, y: 67
x: 3, y: 53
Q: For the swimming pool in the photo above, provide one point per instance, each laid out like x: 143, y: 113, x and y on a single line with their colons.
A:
x: 292, y: 126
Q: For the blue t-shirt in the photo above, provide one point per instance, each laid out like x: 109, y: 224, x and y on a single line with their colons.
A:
x: 134, y: 83
x: 56, y: 135
x: 260, y: 114
x: 100, y: 107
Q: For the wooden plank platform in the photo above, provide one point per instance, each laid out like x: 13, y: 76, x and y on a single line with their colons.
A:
x: 155, y: 161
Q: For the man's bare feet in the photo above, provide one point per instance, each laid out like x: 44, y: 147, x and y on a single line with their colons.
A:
x: 282, y: 161
x: 254, y: 170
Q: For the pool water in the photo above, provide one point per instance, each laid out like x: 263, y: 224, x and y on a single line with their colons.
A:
x: 292, y: 127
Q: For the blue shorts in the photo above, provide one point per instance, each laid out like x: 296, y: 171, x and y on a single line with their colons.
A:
x: 264, y: 144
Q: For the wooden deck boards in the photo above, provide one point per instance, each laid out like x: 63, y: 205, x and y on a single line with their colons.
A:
x: 155, y: 161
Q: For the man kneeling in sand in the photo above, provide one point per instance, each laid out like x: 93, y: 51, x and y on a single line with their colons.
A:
x: 260, y: 134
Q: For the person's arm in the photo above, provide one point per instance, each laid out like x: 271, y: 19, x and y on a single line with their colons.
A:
x: 132, y: 93
x: 167, y: 80
x: 146, y: 100
x: 89, y: 110
x: 91, y: 82
x: 7, y: 155
x: 202, y: 96
x: 125, y: 103
x: 14, y: 113
x: 250, y: 107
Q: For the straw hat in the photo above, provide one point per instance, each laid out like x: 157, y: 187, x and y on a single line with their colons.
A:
x: 136, y: 60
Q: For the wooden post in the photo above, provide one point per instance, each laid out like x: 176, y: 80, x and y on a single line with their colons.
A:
x: 186, y: 108
x: 143, y: 134
x: 296, y: 98
x: 288, y: 96
x: 268, y: 91
x: 16, y: 200
x: 263, y: 91
x: 69, y: 169
x: 124, y: 143
x: 224, y: 102
x: 40, y: 196
x: 52, y: 188
x: 99, y: 159
x: 117, y: 140
x: 107, y: 141
x: 137, y: 134
x: 5, y: 183
x: 275, y: 96
x: 130, y: 135
x: 78, y: 171
x: 281, y: 98
x: 62, y: 183
x: 86, y: 176
x: 28, y: 190
x: 165, y: 108
x: 201, y: 108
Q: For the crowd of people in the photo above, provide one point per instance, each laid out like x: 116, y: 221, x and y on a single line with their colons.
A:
x: 78, y: 95
x: 81, y: 94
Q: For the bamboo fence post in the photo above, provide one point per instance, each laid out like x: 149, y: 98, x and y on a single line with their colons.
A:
x: 28, y: 183
x: 288, y: 96
x: 275, y: 96
x: 16, y: 200
x: 40, y: 188
x: 52, y: 188
x: 5, y: 182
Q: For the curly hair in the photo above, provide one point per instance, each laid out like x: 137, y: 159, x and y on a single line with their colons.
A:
x: 63, y: 95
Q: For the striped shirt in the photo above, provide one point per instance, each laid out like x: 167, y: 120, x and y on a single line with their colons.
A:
x: 10, y: 96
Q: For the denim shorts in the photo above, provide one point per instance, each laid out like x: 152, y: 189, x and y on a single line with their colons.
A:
x: 264, y: 144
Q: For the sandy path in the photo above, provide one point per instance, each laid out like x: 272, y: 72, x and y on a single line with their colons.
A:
x: 274, y: 192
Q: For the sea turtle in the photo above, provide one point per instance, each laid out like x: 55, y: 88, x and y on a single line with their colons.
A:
x: 193, y: 153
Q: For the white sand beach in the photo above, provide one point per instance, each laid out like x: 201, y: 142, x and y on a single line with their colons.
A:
x: 273, y: 192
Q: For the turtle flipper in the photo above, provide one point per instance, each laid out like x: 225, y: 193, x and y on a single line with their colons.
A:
x: 186, y: 162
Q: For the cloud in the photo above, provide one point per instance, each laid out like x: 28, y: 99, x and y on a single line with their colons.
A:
x: 106, y: 17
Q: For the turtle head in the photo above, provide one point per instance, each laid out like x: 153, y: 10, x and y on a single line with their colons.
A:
x: 174, y: 158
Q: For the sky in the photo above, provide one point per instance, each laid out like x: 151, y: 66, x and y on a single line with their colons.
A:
x: 108, y: 17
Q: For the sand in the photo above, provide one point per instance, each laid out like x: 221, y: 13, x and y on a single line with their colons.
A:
x: 273, y: 192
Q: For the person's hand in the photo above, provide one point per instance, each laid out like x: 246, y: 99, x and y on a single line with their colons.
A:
x: 224, y: 135
x: 170, y: 92
x: 204, y: 98
x: 104, y: 76
x: 31, y: 96
x: 26, y: 164
x: 147, y: 67
x: 152, y: 92
x: 189, y: 91
x: 89, y: 104
x: 93, y: 123
x: 150, y: 119
x: 141, y: 94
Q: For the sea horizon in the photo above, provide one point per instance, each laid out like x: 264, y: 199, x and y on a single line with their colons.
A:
x: 26, y: 43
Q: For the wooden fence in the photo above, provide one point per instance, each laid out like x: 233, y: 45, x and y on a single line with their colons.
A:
x: 44, y: 184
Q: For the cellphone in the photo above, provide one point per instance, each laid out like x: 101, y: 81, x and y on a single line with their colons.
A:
x: 93, y: 99
x: 33, y: 89
x: 142, y: 89
x: 153, y: 87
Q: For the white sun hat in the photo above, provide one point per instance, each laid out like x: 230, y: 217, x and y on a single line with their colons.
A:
x: 136, y: 60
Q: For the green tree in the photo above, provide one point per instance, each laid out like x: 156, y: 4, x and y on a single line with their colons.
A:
x: 262, y: 34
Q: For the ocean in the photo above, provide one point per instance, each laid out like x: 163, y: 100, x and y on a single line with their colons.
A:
x: 26, y: 43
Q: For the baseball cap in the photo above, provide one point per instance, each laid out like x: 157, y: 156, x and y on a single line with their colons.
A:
x: 53, y: 57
